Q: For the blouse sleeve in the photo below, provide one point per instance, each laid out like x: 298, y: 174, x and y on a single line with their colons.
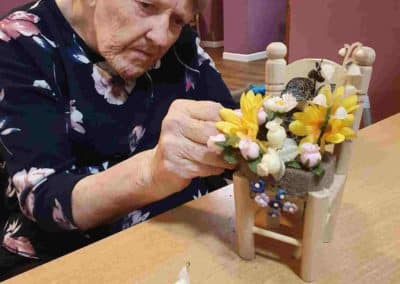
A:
x: 34, y: 142
x: 211, y: 84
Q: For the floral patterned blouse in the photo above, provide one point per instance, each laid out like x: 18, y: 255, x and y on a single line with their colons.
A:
x: 64, y: 115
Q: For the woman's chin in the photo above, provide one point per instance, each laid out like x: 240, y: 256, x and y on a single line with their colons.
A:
x: 129, y: 70
x: 134, y: 70
x: 129, y: 73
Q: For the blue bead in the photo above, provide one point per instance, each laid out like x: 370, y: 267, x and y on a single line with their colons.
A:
x: 281, y: 194
x: 258, y: 186
x: 258, y: 89
x: 276, y: 204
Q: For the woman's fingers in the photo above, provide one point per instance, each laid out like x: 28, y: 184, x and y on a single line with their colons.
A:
x: 182, y: 151
x: 201, y: 110
x: 199, y: 131
x: 201, y: 154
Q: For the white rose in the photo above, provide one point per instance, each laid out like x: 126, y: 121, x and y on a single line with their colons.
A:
x: 271, y: 164
x: 262, y: 169
x: 276, y: 134
x: 281, y: 104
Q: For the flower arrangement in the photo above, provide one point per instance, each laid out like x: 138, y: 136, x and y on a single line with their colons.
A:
x: 270, y: 134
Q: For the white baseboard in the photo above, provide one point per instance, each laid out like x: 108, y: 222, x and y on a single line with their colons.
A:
x: 212, y: 44
x: 245, y: 57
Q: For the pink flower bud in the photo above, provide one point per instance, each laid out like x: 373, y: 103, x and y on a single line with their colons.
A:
x: 249, y: 149
x: 262, y: 116
x: 310, y: 155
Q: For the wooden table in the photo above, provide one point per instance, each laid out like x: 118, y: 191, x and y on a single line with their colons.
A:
x: 366, y: 248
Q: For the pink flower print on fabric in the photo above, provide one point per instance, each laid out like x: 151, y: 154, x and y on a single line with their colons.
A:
x: 76, y: 118
x: 2, y: 95
x: 134, y: 218
x: 60, y: 219
x: 19, y: 245
x: 28, y: 180
x: 28, y: 206
x: 113, y: 88
x: 17, y: 24
x: 189, y: 82
x: 24, y: 180
x: 135, y: 137
x: 11, y: 190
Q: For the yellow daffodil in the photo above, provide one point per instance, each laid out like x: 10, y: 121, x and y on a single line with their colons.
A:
x: 245, y: 124
x: 328, y: 119
x: 338, y: 100
x: 309, y: 123
x: 338, y: 130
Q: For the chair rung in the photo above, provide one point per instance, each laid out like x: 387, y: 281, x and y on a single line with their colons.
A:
x: 276, y: 236
x: 266, y: 253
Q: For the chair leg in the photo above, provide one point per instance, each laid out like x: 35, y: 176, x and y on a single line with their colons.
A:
x: 314, y: 223
x: 244, y: 217
x: 334, y: 208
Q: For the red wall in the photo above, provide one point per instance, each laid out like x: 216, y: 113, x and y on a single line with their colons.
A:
x: 6, y: 5
x: 250, y: 25
x: 211, y: 21
x: 320, y: 28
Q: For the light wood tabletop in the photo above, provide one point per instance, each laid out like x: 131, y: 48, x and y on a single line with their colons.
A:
x: 365, y: 249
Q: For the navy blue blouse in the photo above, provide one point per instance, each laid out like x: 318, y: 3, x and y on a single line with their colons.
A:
x: 64, y: 115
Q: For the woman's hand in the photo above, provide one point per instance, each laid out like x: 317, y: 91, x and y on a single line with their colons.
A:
x: 180, y: 156
x: 182, y: 152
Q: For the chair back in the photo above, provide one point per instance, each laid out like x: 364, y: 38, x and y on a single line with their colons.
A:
x: 354, y: 73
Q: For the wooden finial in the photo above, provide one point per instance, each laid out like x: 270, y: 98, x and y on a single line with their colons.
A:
x: 348, y: 50
x: 275, y: 68
x: 276, y: 50
x: 362, y: 59
x: 365, y: 56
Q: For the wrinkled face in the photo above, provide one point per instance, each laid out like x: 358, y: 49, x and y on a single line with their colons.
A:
x: 133, y: 34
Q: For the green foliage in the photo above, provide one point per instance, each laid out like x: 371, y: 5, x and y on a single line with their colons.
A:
x: 318, y: 171
x: 294, y: 165
x: 230, y: 156
x: 253, y: 164
x: 230, y: 141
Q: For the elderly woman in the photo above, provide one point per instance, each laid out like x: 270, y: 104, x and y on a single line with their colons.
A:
x: 105, y: 111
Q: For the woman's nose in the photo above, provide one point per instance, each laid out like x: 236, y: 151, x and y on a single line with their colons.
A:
x: 159, y: 32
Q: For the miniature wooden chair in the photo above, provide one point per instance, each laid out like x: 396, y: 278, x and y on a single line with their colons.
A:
x: 320, y: 213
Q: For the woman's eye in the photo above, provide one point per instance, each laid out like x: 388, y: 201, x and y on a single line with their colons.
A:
x: 145, y: 5
x: 179, y: 23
